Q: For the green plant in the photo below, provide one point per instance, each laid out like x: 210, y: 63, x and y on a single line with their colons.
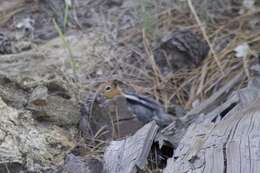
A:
x: 148, y: 19
x: 65, y: 18
x: 72, y: 61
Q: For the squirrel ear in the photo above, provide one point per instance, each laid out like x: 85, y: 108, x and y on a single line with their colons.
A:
x: 116, y: 82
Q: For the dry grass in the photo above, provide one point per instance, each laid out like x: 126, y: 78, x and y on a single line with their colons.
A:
x: 185, y: 86
x: 136, y: 68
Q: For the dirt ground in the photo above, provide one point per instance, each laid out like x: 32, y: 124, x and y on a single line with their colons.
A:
x: 55, y: 54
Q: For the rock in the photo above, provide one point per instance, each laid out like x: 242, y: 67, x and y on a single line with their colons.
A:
x: 11, y: 93
x: 26, y: 144
x: 39, y: 96
x: 55, y: 109
x: 22, y: 46
x: 58, y: 108
x: 5, y: 44
x: 39, y: 88
x: 25, y: 28
x: 21, y: 76
x: 182, y: 49
x: 76, y: 164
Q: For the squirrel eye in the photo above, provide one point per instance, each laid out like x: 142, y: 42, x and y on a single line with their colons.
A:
x: 108, y: 88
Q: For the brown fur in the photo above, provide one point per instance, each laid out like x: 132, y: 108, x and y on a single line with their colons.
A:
x: 113, y: 91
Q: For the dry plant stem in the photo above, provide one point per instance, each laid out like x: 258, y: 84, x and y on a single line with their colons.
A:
x: 151, y: 58
x: 67, y: 46
x: 192, y: 96
x: 113, y: 126
x: 202, y: 78
x: 117, y: 122
x: 99, y: 132
x: 255, y: 38
x: 245, y: 65
x: 8, y: 171
x: 96, y: 140
x: 205, y: 35
x: 239, y: 18
x: 181, y: 87
x: 92, y: 104
x: 137, y: 69
x: 96, y: 147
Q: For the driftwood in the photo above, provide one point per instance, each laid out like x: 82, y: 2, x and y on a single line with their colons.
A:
x: 227, y: 142
x: 130, y: 154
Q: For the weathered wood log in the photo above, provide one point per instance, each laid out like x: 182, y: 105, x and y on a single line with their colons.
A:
x: 226, y: 140
x: 127, y: 155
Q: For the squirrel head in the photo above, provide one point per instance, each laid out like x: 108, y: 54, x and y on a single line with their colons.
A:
x: 111, y: 89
